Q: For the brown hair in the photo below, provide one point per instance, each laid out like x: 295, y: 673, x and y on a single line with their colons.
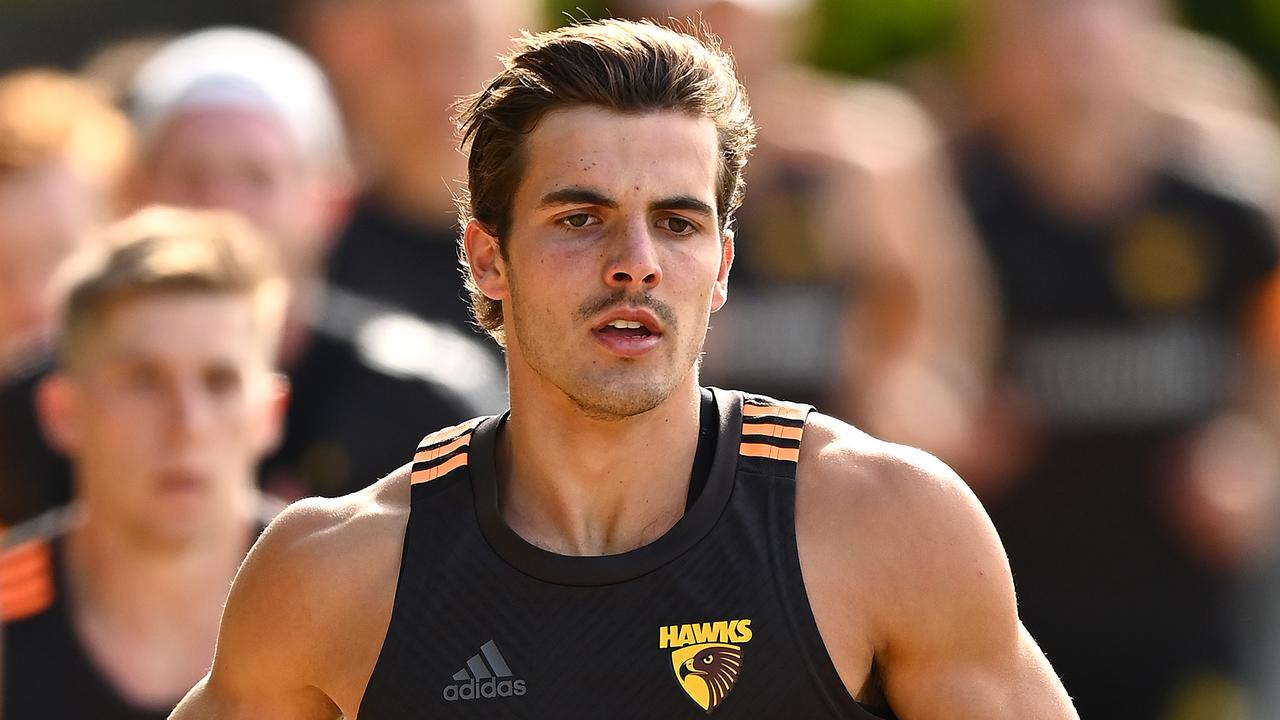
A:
x: 48, y: 115
x: 169, y: 250
x: 630, y: 67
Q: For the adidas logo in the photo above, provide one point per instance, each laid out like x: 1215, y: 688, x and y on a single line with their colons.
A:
x: 486, y: 675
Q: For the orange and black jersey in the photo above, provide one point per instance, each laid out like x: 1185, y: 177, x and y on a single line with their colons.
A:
x: 711, y: 618
x: 48, y: 672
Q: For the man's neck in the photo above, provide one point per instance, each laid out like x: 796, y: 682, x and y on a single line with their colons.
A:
x: 420, y: 187
x: 1081, y: 168
x: 577, y: 485
x: 148, y: 613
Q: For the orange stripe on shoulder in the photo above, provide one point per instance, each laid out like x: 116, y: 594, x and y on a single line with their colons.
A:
x: 26, y: 580
x: 772, y: 452
x: 440, y: 470
x: 773, y: 430
x: 450, y: 432
x: 432, y: 454
x: 789, y: 411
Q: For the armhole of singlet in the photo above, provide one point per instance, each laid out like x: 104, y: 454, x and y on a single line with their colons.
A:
x: 771, y: 437
x: 440, y: 454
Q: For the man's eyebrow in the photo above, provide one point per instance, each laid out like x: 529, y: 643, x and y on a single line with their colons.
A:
x: 684, y: 202
x: 576, y: 195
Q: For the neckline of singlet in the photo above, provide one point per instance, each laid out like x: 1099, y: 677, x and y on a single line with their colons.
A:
x: 703, y: 511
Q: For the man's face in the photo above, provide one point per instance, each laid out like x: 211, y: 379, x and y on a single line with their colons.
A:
x: 167, y: 411
x: 244, y: 160
x: 1081, y: 58
x: 615, y: 259
x: 45, y: 215
x: 423, y: 54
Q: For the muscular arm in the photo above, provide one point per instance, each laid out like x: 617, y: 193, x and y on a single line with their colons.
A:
x: 307, y: 612
x: 924, y: 601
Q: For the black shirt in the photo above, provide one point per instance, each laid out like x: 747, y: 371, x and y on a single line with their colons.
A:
x: 48, y: 673
x: 404, y: 264
x: 1129, y: 322
x: 712, y: 617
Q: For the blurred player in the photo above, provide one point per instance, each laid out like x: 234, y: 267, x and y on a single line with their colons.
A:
x: 165, y: 402
x: 64, y: 152
x: 623, y: 542
x: 400, y: 245
x: 1128, y: 457
x: 239, y: 119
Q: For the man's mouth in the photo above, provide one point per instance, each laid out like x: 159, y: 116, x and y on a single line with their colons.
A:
x: 625, y: 328
x: 629, y: 332
x: 180, y: 481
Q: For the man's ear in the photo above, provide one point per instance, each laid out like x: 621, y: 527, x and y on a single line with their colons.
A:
x: 269, y: 426
x: 484, y: 257
x: 59, y: 406
x: 720, y: 293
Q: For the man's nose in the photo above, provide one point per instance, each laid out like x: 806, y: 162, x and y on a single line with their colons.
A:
x: 633, y: 262
x: 190, y: 409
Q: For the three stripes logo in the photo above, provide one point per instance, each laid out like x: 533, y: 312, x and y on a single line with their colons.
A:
x: 486, y: 675
x: 772, y: 431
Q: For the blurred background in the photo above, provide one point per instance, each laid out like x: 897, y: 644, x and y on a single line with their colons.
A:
x: 1034, y: 237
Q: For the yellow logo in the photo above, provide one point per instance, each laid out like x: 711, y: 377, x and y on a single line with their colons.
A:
x: 706, y: 658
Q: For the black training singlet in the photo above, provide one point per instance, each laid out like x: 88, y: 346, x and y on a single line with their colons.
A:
x: 48, y: 672
x: 712, y: 617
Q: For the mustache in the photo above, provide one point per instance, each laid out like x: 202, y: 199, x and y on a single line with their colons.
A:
x: 621, y: 298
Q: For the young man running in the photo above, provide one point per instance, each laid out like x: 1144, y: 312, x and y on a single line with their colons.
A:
x: 624, y: 543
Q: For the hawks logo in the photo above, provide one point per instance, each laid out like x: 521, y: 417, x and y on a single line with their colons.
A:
x: 707, y: 658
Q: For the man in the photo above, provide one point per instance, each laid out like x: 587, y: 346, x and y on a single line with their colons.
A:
x: 400, y: 245
x: 63, y: 153
x: 165, y: 402
x: 1128, y: 458
x: 624, y: 543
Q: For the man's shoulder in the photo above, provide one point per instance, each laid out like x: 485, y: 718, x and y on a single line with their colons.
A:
x: 839, y: 457
x: 27, y: 571
x: 894, y: 529
x: 890, y: 499
x: 327, y: 534
x: 319, y: 583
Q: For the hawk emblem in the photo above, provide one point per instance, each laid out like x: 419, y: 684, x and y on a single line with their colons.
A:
x: 707, y: 672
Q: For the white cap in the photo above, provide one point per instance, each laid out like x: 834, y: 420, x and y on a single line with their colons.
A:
x: 231, y: 67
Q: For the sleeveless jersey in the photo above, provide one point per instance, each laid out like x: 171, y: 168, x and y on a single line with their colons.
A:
x: 710, y: 618
x: 48, y: 673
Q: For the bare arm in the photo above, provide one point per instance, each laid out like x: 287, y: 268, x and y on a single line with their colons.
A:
x: 955, y: 648
x: 264, y: 660
x: 920, y: 596
x: 307, y: 613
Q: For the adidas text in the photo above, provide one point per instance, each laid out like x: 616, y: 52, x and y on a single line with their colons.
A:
x: 491, y: 688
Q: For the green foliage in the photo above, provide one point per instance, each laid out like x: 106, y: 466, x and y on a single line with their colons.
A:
x: 862, y: 37
x: 1253, y: 26
x: 851, y: 36
x: 559, y: 12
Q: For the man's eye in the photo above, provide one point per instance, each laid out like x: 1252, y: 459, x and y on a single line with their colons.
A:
x: 678, y: 225
x: 220, y: 381
x: 578, y: 220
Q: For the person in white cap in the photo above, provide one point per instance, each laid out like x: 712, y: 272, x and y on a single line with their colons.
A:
x: 241, y: 119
